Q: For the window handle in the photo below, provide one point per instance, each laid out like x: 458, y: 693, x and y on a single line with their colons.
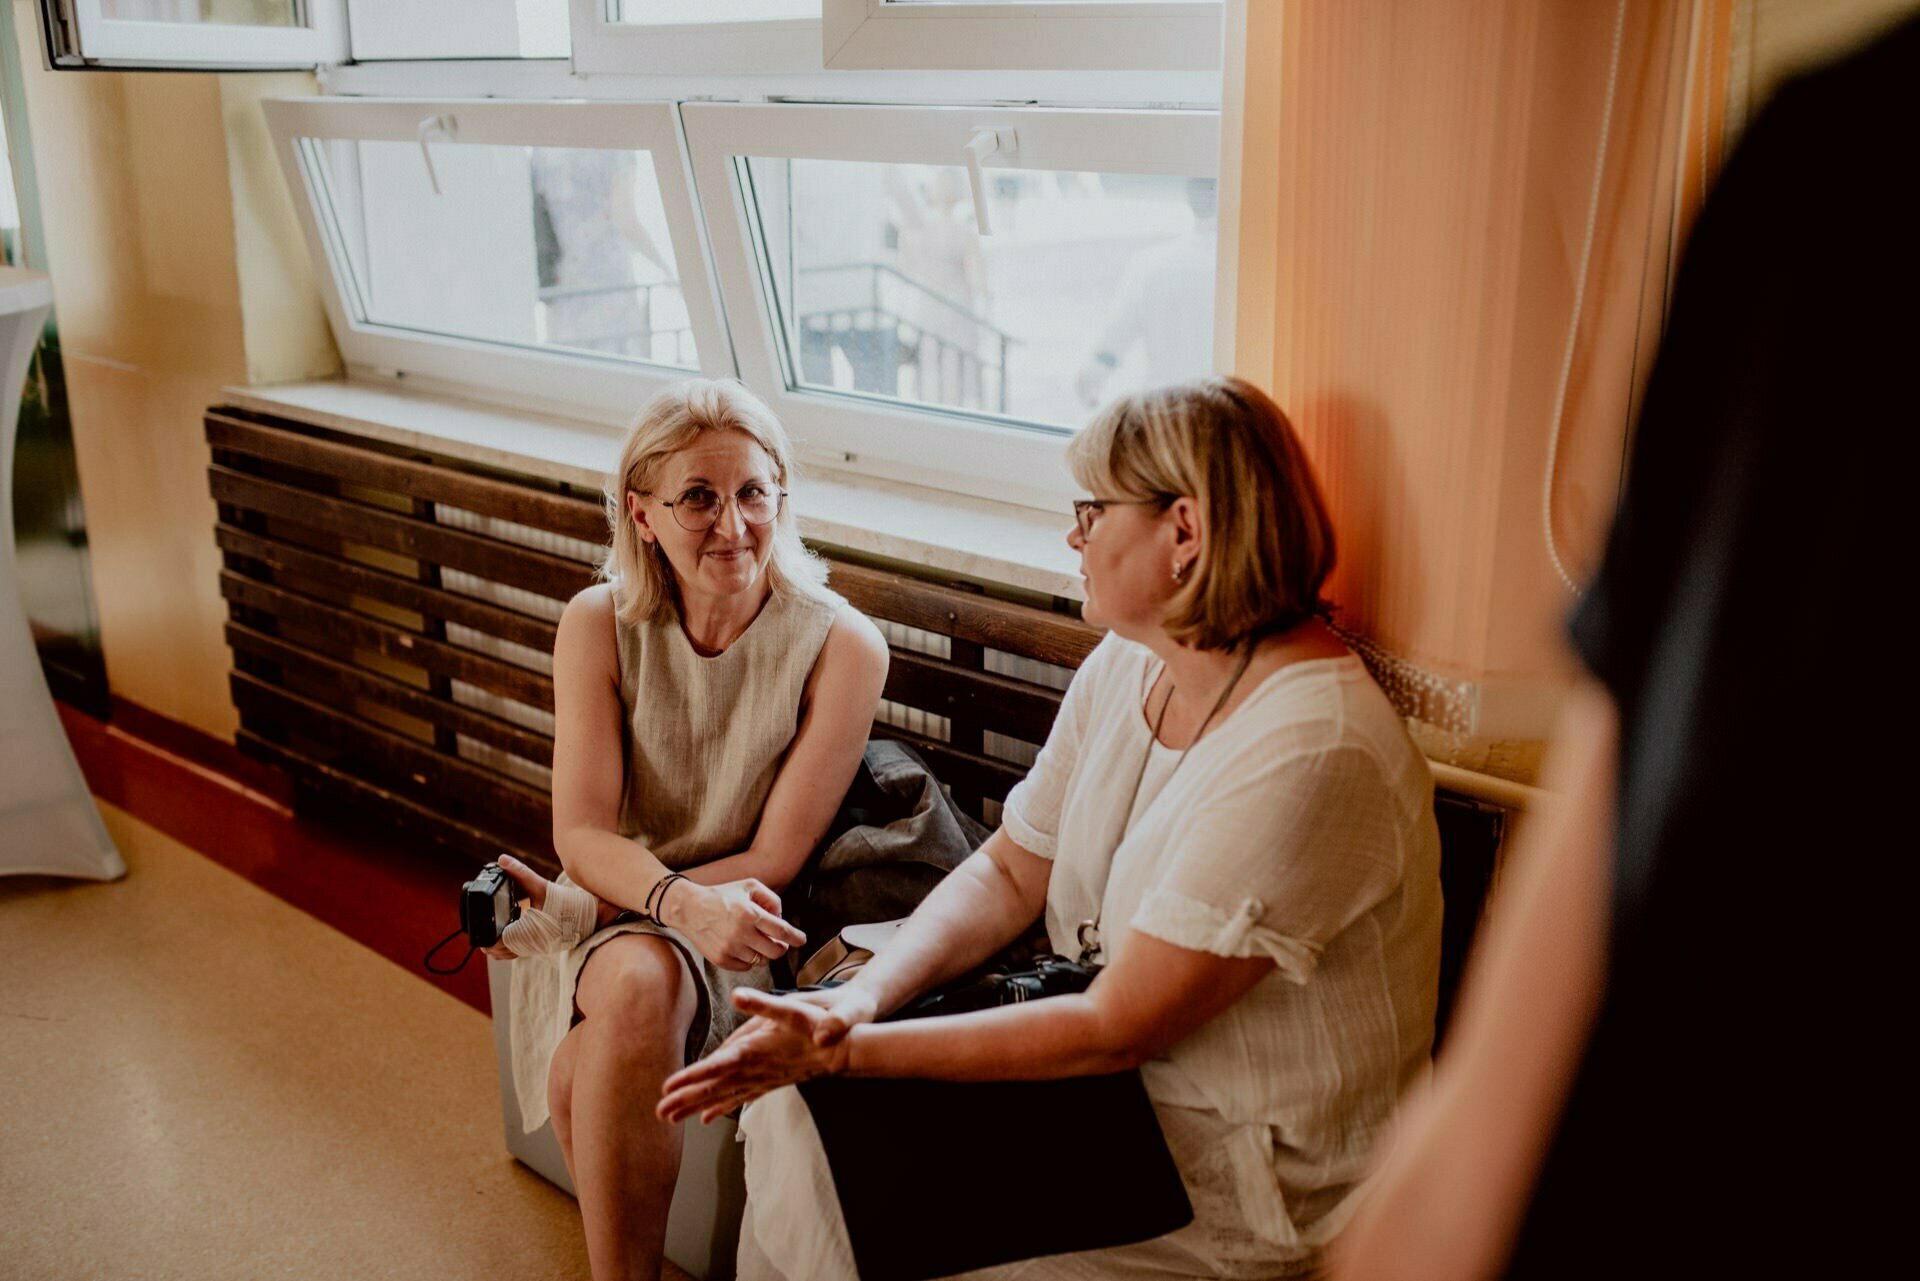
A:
x: 985, y: 142
x: 441, y: 128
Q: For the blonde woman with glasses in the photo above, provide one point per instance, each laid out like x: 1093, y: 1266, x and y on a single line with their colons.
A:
x: 711, y: 703
x: 1233, y: 816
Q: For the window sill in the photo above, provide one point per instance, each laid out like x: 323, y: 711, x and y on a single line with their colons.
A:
x: 968, y: 537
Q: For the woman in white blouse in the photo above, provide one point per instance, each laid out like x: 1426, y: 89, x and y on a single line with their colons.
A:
x: 1238, y: 806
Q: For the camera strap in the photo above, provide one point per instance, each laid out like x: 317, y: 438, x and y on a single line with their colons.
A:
x: 435, y: 951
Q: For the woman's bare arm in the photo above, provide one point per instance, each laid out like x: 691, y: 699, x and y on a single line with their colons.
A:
x: 842, y: 694
x: 1153, y: 995
x: 983, y: 905
x: 589, y: 757
x: 1446, y: 1204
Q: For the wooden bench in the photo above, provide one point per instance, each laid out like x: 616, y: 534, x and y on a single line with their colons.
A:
x: 391, y: 616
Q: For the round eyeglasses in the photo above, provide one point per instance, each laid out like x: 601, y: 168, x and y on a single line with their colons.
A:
x: 1087, y: 510
x: 699, y: 507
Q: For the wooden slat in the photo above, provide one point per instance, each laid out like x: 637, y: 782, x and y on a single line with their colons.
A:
x: 1003, y: 704
x: 963, y: 771
x: 405, y: 593
x: 344, y: 629
x: 556, y: 577
x: 1001, y: 625
x: 287, y: 524
x: 476, y: 787
x: 418, y: 703
x: 521, y: 504
x: 479, y: 843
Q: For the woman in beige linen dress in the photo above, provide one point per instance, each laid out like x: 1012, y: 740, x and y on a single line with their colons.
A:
x: 1238, y: 806
x: 711, y: 703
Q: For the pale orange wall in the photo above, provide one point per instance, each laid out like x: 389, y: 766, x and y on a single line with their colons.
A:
x: 1775, y: 38
x: 140, y: 182
x: 133, y: 183
x: 1413, y: 182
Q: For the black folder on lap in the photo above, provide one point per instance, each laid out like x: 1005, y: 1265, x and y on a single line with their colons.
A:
x: 937, y: 1177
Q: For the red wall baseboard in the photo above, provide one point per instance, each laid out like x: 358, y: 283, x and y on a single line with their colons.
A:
x: 396, y: 896
x: 163, y: 733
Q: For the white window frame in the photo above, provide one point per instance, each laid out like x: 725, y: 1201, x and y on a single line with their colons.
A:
x: 601, y: 389
x: 529, y: 79
x: 944, y: 449
x: 751, y: 47
x: 79, y: 35
x: 425, y: 30
x: 1065, y: 35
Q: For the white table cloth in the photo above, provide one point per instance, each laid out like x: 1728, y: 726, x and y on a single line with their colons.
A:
x: 48, y: 823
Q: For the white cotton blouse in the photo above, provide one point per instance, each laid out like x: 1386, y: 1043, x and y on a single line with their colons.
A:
x: 1300, y: 828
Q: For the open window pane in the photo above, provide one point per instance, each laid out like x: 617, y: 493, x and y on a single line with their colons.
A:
x: 554, y: 248
x: 893, y: 337
x: 703, y: 11
x: 213, y: 35
x: 1091, y: 285
x: 1077, y: 35
x: 417, y: 30
x: 239, y: 13
x: 538, y: 254
x: 696, y: 37
x: 1034, y: 4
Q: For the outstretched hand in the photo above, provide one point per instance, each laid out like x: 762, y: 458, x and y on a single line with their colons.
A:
x: 781, y: 1045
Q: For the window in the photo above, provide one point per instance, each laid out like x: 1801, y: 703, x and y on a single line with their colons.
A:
x: 546, y: 253
x: 1021, y: 34
x: 389, y: 29
x: 732, y: 37
x: 868, y: 307
x: 239, y: 35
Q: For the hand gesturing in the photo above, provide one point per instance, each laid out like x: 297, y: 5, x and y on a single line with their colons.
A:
x: 780, y: 1045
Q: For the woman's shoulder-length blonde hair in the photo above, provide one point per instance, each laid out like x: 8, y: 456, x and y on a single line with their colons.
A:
x: 678, y: 416
x: 1267, y: 545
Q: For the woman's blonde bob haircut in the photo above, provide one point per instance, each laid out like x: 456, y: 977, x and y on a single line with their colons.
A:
x: 643, y: 582
x: 1267, y: 545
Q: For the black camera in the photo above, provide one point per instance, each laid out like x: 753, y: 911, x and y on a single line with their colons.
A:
x: 487, y: 906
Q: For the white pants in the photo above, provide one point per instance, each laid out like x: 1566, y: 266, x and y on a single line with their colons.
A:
x: 794, y: 1231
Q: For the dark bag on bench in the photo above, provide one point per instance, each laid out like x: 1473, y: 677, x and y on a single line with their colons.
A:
x: 930, y: 1174
x: 896, y: 836
x: 934, y: 1179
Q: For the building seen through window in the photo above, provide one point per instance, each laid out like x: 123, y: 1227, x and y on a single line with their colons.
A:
x: 1090, y: 285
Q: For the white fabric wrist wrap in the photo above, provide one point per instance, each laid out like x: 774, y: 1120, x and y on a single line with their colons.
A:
x: 565, y: 919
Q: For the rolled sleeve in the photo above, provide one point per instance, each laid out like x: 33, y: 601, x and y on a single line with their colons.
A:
x: 1030, y: 815
x: 1026, y: 834
x: 1281, y: 864
x: 1203, y: 927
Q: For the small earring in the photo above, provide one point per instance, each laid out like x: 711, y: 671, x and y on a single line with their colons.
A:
x: 1180, y: 571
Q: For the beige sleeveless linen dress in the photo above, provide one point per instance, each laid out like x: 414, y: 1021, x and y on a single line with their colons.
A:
x: 705, y: 739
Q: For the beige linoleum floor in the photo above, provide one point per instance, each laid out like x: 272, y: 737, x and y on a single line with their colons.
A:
x: 199, y: 1081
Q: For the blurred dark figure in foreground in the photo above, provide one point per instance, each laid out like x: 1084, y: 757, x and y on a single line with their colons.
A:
x: 1679, y: 1052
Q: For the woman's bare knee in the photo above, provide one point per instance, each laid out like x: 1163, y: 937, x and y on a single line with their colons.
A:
x: 637, y: 989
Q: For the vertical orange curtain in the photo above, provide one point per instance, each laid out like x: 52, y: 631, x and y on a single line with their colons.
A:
x: 1703, y: 131
x: 1414, y: 183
